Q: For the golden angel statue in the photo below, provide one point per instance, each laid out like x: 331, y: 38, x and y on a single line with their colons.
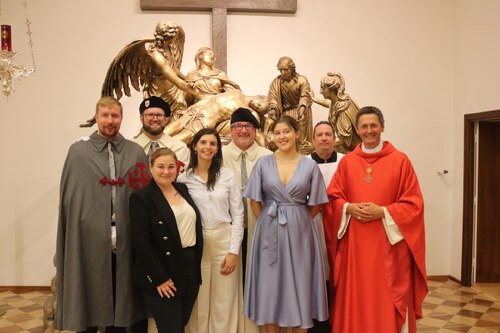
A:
x: 342, y: 113
x: 205, y: 97
x: 151, y: 66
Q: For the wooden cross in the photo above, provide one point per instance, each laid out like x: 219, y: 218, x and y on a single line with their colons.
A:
x: 219, y: 10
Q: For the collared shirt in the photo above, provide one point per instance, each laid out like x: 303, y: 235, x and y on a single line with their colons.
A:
x: 231, y: 156
x: 377, y: 149
x: 177, y: 146
x: 223, y: 204
x: 331, y: 159
x: 329, y: 166
x: 117, y: 141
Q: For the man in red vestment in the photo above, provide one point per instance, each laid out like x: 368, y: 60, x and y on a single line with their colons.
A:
x: 374, y: 227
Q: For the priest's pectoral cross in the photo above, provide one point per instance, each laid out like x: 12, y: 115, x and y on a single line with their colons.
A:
x: 219, y: 9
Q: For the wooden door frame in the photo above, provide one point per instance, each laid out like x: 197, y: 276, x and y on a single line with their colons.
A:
x: 468, y: 195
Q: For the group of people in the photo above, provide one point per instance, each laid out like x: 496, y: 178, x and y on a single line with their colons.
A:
x: 210, y: 238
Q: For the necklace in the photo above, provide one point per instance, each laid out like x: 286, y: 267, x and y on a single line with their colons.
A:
x: 369, y: 171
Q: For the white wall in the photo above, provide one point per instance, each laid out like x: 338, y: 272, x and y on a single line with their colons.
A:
x: 476, y: 88
x: 395, y: 54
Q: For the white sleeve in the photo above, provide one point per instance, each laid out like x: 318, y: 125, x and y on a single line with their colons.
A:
x: 344, y: 222
x: 236, y: 211
x: 391, y: 228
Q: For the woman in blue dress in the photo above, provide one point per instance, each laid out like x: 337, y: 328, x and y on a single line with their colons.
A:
x: 285, y: 282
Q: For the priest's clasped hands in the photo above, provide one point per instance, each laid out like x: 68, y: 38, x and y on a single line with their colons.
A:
x: 365, y: 211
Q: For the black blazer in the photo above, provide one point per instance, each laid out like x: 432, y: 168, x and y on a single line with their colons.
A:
x: 156, y: 240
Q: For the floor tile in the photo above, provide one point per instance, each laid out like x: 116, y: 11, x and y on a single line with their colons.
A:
x: 448, y: 308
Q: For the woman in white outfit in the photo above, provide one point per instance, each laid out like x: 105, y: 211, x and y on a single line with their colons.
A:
x: 217, y: 195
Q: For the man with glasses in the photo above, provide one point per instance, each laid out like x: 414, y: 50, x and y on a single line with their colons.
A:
x: 154, y: 113
x: 240, y: 155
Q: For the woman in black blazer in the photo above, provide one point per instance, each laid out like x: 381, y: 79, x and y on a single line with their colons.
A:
x: 168, y: 244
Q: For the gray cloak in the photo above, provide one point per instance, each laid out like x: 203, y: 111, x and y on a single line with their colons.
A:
x: 83, y: 252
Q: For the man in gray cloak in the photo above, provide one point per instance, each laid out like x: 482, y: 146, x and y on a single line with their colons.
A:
x: 94, y: 251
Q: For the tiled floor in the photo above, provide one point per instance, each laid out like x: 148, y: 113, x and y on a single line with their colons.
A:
x: 447, y: 308
x: 24, y: 311
x: 451, y: 308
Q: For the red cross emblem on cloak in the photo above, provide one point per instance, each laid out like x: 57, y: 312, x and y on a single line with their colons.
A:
x: 180, y: 167
x: 139, y: 177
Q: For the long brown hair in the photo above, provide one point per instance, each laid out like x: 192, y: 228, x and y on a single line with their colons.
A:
x: 215, y: 165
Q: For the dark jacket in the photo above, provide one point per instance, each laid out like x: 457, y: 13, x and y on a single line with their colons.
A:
x: 156, y: 240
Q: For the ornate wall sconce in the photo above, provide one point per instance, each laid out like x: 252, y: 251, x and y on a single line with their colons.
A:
x: 8, y: 69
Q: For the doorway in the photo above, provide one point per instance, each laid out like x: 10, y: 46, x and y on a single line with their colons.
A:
x: 486, y: 193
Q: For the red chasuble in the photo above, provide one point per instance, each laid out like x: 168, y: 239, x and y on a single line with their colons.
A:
x: 376, y: 284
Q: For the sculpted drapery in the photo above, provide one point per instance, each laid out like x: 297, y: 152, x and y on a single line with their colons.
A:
x: 289, y: 94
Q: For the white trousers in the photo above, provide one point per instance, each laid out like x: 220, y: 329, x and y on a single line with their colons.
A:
x: 216, y: 309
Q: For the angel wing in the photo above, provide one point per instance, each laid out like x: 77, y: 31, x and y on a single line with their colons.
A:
x: 151, y: 66
x: 133, y: 64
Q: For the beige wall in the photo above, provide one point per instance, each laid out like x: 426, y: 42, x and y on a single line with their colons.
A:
x: 476, y: 88
x: 403, y: 56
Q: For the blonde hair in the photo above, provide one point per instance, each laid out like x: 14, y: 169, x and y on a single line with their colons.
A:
x: 107, y: 101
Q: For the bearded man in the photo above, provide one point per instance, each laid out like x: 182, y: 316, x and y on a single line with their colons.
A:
x: 154, y: 113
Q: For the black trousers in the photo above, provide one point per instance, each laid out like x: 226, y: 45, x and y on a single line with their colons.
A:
x: 172, y: 314
x: 139, y: 327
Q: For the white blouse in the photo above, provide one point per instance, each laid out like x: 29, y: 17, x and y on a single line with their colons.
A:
x: 185, y: 217
x: 223, y: 204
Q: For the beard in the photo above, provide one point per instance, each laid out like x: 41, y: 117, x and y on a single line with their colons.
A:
x: 153, y: 131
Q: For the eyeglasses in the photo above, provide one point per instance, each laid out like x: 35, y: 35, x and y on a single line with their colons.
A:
x: 239, y: 127
x: 153, y: 115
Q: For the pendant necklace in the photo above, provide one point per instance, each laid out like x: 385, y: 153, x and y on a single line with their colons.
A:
x: 368, y: 177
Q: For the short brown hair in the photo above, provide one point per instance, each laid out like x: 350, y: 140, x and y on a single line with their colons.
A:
x: 370, y: 110
x: 323, y: 122
x: 107, y: 101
